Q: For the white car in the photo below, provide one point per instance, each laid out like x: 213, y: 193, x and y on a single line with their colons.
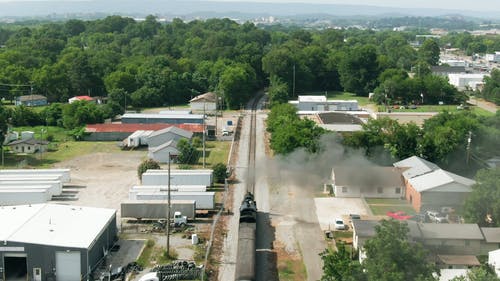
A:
x: 339, y: 224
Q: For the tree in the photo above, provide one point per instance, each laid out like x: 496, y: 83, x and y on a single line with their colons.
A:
x: 482, y: 273
x: 278, y: 91
x: 482, y: 206
x: 391, y: 256
x: 338, y: 265
x: 429, y: 52
x: 188, y: 153
x: 359, y: 70
x: 149, y: 164
x: 220, y: 172
x: 491, y: 90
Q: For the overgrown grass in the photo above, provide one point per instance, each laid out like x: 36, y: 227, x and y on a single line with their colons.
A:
x: 390, y: 201
x: 382, y: 210
x: 215, y: 152
x: 292, y: 270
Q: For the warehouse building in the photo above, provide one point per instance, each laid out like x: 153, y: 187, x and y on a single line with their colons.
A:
x: 146, y: 118
x: 54, y: 242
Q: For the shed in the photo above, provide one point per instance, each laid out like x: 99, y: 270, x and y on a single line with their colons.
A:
x: 165, y: 152
x: 205, y: 102
x: 31, y: 100
x: 54, y: 242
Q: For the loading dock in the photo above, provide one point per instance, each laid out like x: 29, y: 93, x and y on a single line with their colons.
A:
x: 16, y: 268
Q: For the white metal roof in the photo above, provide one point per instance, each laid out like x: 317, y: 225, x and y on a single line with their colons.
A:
x: 162, y: 116
x: 53, y: 224
x: 417, y: 166
x: 312, y: 99
x: 175, y: 112
x: 441, y: 180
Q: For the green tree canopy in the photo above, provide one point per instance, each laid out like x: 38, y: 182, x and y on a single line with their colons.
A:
x: 483, y: 204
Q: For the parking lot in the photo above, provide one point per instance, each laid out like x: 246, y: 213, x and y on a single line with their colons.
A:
x: 327, y: 209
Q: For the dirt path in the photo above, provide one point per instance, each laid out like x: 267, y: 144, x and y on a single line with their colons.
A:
x: 486, y: 105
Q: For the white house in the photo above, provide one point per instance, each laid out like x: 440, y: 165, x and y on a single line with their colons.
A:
x: 494, y: 260
x: 205, y: 102
x: 463, y: 81
x: 28, y: 146
x: 367, y: 181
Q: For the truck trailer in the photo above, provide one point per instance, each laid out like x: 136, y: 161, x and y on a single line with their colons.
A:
x: 64, y: 173
x: 157, y: 209
x: 178, y: 177
x: 204, y: 200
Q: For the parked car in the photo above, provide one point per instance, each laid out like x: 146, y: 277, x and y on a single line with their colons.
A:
x: 437, y: 217
x: 339, y: 224
x: 354, y: 216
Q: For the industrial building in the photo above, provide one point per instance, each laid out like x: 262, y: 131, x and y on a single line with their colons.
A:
x: 462, y: 81
x: 163, y: 136
x: 143, y: 118
x: 321, y: 103
x: 120, y: 132
x: 54, y: 242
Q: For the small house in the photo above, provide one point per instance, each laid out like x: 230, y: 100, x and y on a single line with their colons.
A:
x: 31, y: 100
x: 206, y: 102
x: 28, y: 146
x: 367, y: 181
x: 80, y: 98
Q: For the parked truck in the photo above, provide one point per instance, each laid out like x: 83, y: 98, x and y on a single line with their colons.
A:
x: 157, y: 209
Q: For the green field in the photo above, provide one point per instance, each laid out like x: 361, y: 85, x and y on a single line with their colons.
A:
x: 380, y: 206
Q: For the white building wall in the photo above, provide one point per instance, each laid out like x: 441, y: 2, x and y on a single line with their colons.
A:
x: 494, y: 260
x: 461, y: 81
x: 198, y: 106
x: 162, y: 155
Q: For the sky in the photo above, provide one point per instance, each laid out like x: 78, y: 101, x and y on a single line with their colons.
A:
x: 475, y: 5
x: 493, y: 5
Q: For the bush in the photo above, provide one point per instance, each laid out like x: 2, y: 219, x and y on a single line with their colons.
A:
x: 220, y: 170
x: 146, y: 165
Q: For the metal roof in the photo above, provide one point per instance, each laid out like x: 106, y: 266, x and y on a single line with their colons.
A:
x: 174, y: 130
x: 206, y: 97
x: 458, y: 259
x: 53, y: 224
x: 491, y: 234
x: 170, y: 143
x: 29, y: 141
x: 416, y: 166
x: 441, y: 181
x: 312, y: 98
x: 451, y: 231
x: 366, y: 228
x: 131, y: 128
x: 174, y: 112
x: 162, y: 116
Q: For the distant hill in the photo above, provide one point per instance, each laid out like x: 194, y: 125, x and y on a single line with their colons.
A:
x: 228, y: 9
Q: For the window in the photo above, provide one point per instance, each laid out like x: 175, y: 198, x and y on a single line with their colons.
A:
x: 467, y: 242
x: 29, y: 147
x: 398, y: 190
x: 380, y: 190
x: 344, y: 189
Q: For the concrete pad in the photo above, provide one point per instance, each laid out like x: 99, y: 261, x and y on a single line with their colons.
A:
x: 327, y: 209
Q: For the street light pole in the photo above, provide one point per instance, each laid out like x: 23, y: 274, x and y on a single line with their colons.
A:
x: 168, y: 207
x: 204, y: 132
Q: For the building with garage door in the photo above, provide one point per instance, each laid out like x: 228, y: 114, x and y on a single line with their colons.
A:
x: 54, y: 242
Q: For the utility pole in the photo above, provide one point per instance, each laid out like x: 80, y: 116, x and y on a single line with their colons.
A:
x: 168, y: 208
x: 469, y: 140
x: 204, y: 132
x: 293, y: 80
x: 216, y: 105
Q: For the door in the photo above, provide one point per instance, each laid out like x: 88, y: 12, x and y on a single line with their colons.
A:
x: 68, y: 266
x: 37, y: 274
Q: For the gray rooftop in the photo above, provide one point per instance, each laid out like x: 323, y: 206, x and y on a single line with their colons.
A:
x: 162, y: 116
x: 451, y: 231
x: 366, y: 228
x: 171, y: 143
x: 416, y: 166
x: 367, y: 176
x: 174, y: 130
x: 491, y: 234
x: 441, y: 181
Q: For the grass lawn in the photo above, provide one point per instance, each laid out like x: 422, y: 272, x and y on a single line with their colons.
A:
x: 216, y: 152
x: 385, y: 201
x: 381, y: 210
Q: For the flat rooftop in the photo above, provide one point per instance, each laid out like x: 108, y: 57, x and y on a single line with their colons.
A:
x: 53, y: 224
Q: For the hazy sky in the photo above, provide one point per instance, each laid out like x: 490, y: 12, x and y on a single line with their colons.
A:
x: 491, y: 5
x: 439, y: 4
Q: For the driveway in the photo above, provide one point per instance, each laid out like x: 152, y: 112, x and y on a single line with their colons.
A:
x: 327, y: 209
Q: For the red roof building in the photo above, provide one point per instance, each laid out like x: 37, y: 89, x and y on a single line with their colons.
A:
x: 118, y: 131
x: 80, y: 98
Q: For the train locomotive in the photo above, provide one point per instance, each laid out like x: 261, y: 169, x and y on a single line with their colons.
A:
x: 245, y: 263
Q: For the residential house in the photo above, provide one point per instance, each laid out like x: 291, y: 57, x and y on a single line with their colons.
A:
x: 437, y: 189
x: 31, y: 100
x: 451, y: 239
x: 494, y: 260
x: 162, y: 152
x: 457, y: 261
x: 491, y: 239
x: 28, y: 146
x: 165, y: 135
x: 367, y: 181
x: 206, y: 102
x: 80, y: 98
